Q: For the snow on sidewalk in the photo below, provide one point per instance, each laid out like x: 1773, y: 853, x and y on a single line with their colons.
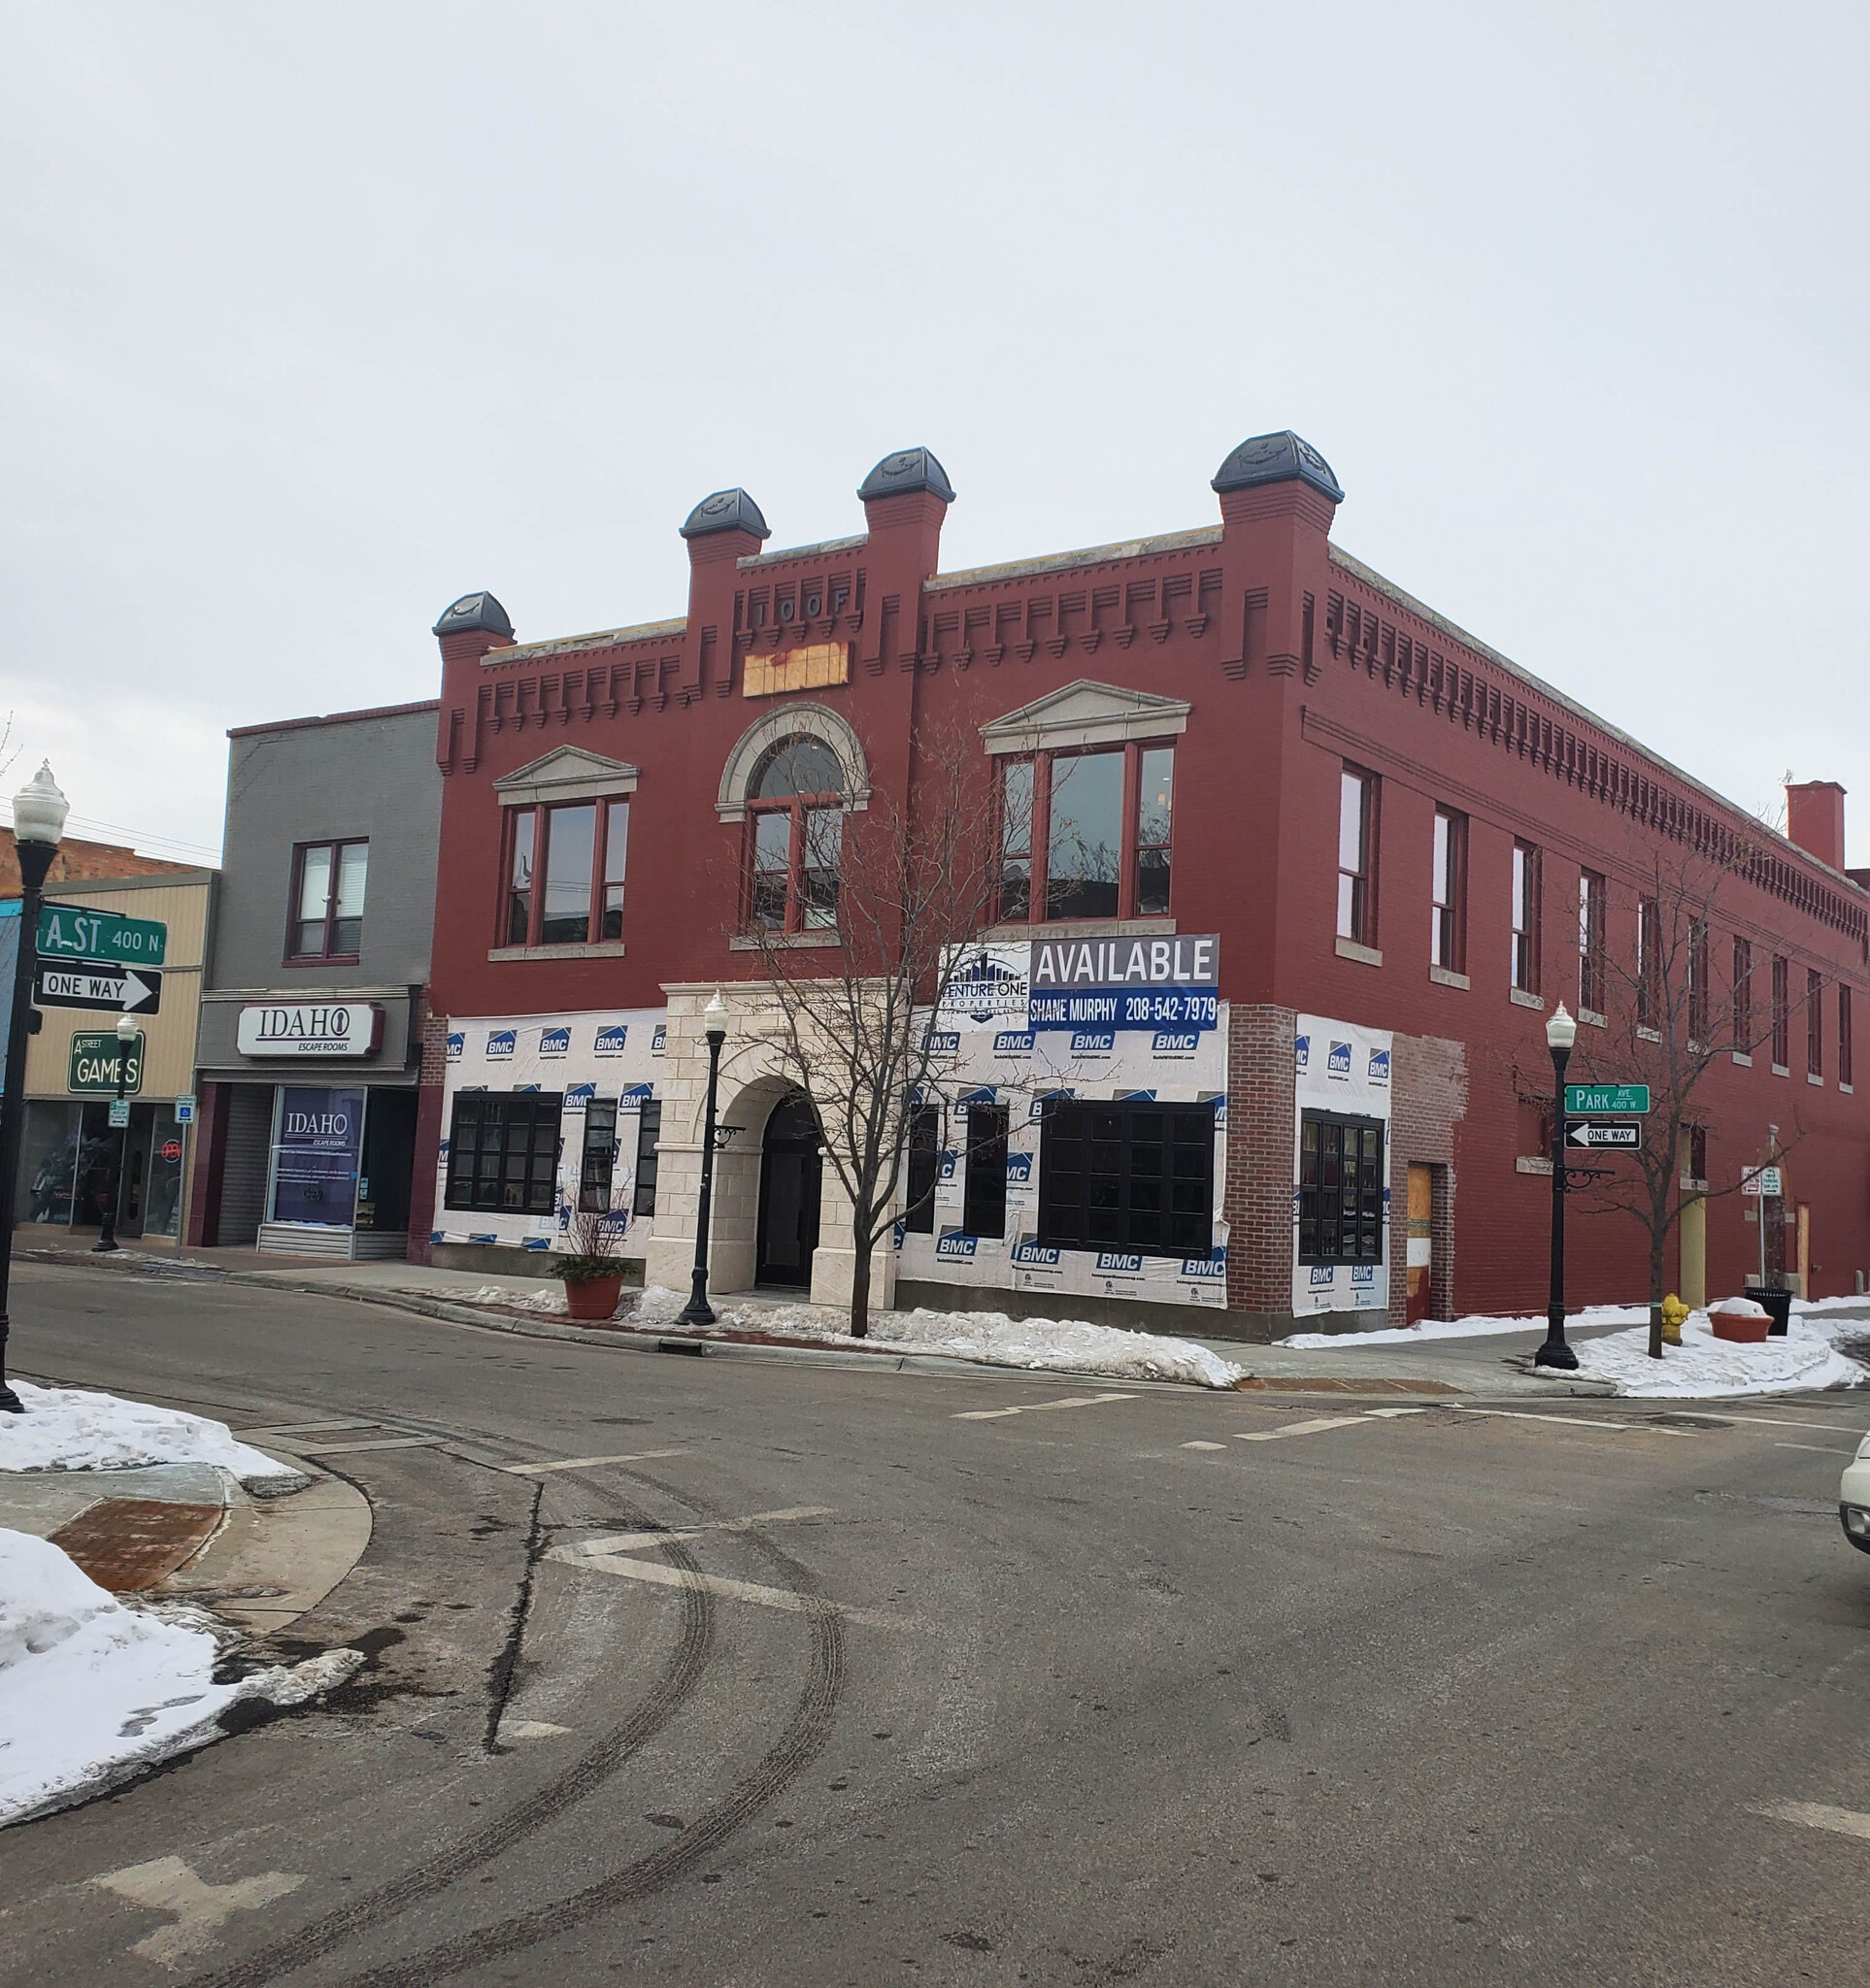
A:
x: 1703, y: 1367
x: 73, y: 1429
x: 92, y: 1692
x: 1476, y: 1326
x: 1038, y: 1345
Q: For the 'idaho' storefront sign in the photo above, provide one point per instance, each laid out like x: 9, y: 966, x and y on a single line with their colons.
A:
x: 312, y: 1028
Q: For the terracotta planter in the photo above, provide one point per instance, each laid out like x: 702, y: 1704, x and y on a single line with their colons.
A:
x: 1744, y: 1328
x: 593, y: 1299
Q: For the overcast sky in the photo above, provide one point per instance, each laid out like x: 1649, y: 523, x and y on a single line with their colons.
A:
x: 317, y: 318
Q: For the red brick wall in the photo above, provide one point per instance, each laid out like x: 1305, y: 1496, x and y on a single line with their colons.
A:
x: 1258, y: 1197
x: 1428, y: 1089
x: 428, y: 1133
x: 82, y: 862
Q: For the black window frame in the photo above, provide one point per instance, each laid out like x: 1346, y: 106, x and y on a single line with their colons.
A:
x: 597, y: 1161
x: 923, y: 1169
x: 479, y: 1113
x: 1448, y: 891
x: 648, y: 1155
x: 1322, y: 1206
x: 1079, y: 1192
x: 1356, y: 904
x: 983, y: 1187
x: 1781, y: 1012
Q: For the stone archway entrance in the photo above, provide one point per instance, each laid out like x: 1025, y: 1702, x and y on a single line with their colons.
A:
x: 790, y: 1185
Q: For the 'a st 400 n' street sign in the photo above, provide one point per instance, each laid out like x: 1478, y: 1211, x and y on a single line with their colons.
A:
x: 72, y: 932
x: 1622, y: 1098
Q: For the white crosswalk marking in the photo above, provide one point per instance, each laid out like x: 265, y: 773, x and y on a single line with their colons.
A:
x: 585, y: 1463
x: 1846, y: 1822
x: 631, y: 1542
x: 1313, y: 1428
x: 1071, y: 1400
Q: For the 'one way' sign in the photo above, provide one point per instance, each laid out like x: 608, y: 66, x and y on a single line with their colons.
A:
x: 124, y: 990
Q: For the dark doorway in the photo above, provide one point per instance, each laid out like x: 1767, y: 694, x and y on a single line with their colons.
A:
x: 790, y: 1181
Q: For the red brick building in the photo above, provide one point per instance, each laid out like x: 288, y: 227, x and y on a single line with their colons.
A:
x: 1407, y: 849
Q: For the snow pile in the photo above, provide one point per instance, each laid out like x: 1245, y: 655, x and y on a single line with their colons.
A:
x: 546, y: 1300
x: 72, y: 1429
x: 1042, y: 1345
x: 91, y: 1692
x: 1703, y: 1366
x: 1478, y: 1325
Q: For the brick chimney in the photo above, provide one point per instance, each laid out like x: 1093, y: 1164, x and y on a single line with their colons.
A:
x: 1815, y: 819
x: 905, y: 499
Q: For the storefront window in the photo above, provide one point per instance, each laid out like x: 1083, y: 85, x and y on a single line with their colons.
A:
x: 49, y: 1163
x: 315, y: 1163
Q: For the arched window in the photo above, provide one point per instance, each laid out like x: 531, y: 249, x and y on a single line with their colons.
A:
x: 795, y: 837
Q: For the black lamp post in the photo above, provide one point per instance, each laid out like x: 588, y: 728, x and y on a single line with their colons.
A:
x: 107, y: 1222
x: 39, y: 812
x: 697, y: 1310
x: 1562, y: 1032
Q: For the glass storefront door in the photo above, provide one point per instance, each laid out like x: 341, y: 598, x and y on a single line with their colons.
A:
x: 315, y: 1155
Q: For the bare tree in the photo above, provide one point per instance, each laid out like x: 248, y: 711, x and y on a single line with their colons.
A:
x: 905, y: 887
x: 1666, y: 1010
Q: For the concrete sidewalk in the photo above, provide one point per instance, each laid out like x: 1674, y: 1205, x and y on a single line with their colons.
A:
x: 1491, y: 1366
x: 188, y: 1532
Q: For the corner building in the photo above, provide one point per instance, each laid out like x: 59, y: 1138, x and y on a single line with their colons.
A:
x: 1294, y: 871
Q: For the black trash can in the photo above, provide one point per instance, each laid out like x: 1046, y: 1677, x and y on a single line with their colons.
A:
x: 1778, y: 1303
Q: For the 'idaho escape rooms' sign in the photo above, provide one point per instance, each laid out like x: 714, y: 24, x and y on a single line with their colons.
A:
x: 1126, y: 983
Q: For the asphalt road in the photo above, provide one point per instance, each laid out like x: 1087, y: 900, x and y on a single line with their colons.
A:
x: 1096, y: 1691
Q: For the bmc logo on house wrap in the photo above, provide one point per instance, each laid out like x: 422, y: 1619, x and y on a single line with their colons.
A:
x: 1035, y: 1256
x: 554, y: 1041
x: 1378, y: 1071
x: 609, y: 1040
x: 456, y: 1047
x: 1338, y: 1063
x: 1108, y: 1261
x: 1019, y: 1169
x: 956, y: 1244
x: 501, y: 1041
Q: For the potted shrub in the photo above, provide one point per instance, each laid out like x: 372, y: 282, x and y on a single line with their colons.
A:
x: 593, y: 1276
x: 1742, y: 1321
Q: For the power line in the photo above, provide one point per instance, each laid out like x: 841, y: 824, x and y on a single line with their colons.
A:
x: 137, y: 836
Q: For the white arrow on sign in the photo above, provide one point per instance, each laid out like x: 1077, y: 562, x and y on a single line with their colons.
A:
x: 1581, y: 1132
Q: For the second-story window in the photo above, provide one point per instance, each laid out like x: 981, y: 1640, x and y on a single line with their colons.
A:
x: 795, y: 838
x: 1357, y: 856
x: 1448, y: 941
x: 1648, y: 964
x: 1814, y: 1022
x: 1844, y: 1037
x: 1590, y: 941
x: 565, y: 873
x: 1096, y: 826
x: 1781, y: 1012
x: 1698, y: 989
x: 328, y: 901
x: 1743, y: 1000
x: 1526, y: 918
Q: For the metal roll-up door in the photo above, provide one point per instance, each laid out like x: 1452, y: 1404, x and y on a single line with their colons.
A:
x: 243, y: 1180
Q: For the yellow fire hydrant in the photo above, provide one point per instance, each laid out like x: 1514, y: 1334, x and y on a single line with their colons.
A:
x: 1673, y: 1311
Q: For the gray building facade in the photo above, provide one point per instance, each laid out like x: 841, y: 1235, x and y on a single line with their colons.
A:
x: 313, y: 1003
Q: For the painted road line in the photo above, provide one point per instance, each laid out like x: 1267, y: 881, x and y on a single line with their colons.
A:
x: 632, y: 1542
x: 381, y: 1442
x: 659, y: 1575
x: 1071, y: 1400
x: 1781, y: 1422
x: 1313, y: 1428
x: 530, y: 1729
x: 586, y: 1463
x: 1204, y: 1445
x: 1847, y: 1822
x: 1565, y: 1421
x: 309, y: 1428
x: 1389, y: 1414
x: 1817, y: 1449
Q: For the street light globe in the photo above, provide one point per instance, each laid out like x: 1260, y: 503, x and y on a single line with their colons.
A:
x: 126, y: 1029
x: 38, y: 809
x: 1562, y: 1031
x: 715, y: 1014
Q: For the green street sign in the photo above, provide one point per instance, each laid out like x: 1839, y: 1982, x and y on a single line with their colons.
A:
x: 92, y: 1069
x: 74, y: 932
x: 1586, y: 1099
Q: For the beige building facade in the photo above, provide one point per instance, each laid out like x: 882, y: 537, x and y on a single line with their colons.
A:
x: 71, y: 1153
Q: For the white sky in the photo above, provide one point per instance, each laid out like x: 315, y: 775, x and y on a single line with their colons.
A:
x: 313, y: 319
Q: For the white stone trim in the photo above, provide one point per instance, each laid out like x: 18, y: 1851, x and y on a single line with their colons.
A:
x: 789, y: 722
x: 567, y: 774
x: 1086, y: 713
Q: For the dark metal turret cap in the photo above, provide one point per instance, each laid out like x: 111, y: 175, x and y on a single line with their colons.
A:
x: 909, y: 469
x: 1282, y: 458
x: 475, y: 611
x: 727, y: 511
